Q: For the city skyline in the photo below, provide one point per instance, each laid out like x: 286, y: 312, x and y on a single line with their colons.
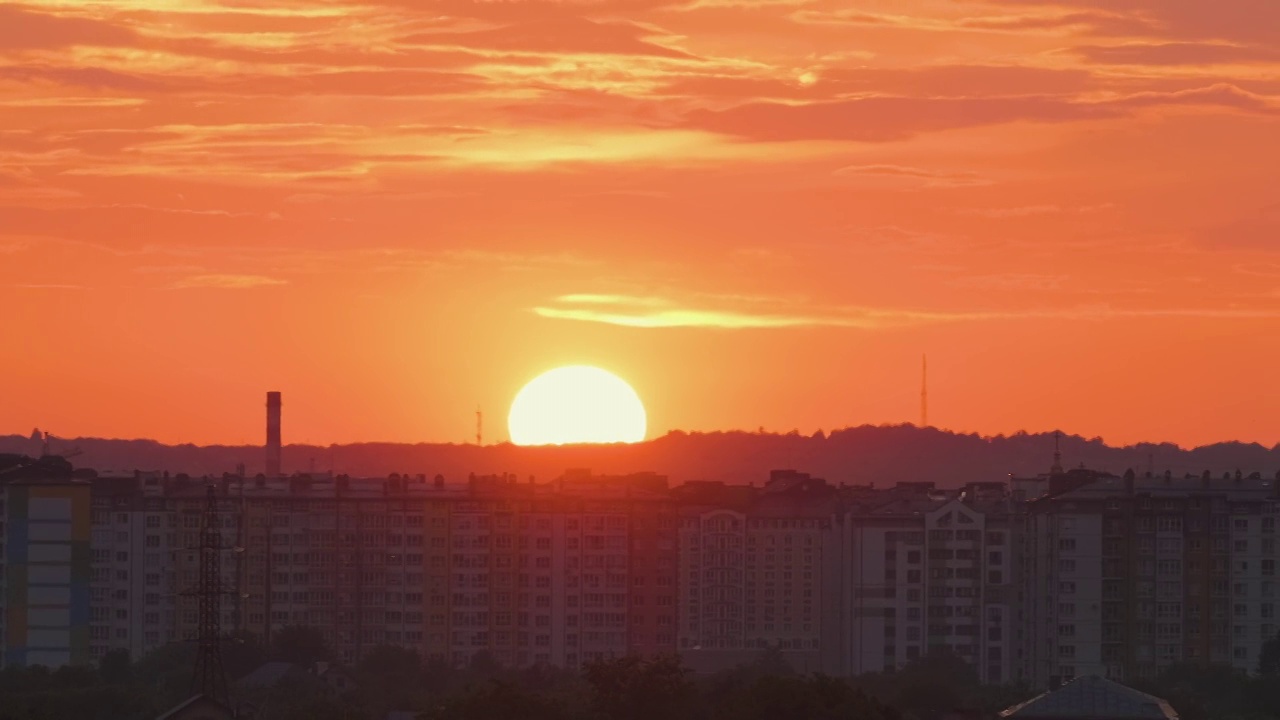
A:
x: 758, y: 214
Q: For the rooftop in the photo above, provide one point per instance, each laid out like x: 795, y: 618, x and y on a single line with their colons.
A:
x: 1090, y: 696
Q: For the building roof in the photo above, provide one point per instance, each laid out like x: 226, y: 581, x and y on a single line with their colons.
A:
x: 1091, y: 696
x: 268, y: 675
x: 199, y: 707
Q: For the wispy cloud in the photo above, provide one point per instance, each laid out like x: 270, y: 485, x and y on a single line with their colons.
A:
x: 1029, y: 210
x: 657, y: 312
x: 228, y: 282
x: 913, y: 175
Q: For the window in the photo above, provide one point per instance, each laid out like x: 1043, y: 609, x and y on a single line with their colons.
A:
x: 1067, y: 544
x: 1067, y: 588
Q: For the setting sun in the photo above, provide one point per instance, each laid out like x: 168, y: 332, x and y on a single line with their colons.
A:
x: 576, y: 404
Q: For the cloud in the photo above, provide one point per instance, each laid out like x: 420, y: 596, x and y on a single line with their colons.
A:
x: 689, y: 318
x: 913, y: 175
x: 227, y: 282
x: 1176, y: 54
x: 883, y: 118
x: 1013, y: 281
x: 1030, y: 210
x: 661, y: 312
x: 1267, y: 270
x: 22, y: 29
x: 89, y: 77
x: 658, y: 313
x: 1227, y: 20
x: 556, y: 35
x: 1260, y: 230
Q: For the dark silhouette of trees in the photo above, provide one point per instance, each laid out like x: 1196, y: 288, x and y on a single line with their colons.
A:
x: 635, y: 688
x: 813, y: 697
x: 1269, y: 658
x: 242, y: 653
x: 499, y: 699
x: 389, y: 678
x: 301, y: 645
x: 116, y: 668
x: 627, y: 688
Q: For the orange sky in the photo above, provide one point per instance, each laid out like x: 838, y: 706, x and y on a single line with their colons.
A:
x: 759, y: 212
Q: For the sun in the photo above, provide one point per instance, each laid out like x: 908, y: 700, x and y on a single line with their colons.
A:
x: 576, y: 404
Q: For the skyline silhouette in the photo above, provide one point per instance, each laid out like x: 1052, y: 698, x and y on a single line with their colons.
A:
x: 880, y: 455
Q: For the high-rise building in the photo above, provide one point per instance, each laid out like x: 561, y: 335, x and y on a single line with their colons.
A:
x: 913, y: 570
x: 751, y: 570
x: 558, y: 573
x: 1128, y: 575
x: 44, y: 576
x: 132, y: 545
x: 1037, y: 580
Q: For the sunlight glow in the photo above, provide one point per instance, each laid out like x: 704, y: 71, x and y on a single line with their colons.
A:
x: 576, y: 404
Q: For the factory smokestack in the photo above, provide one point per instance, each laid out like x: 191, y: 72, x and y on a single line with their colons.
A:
x: 273, y: 434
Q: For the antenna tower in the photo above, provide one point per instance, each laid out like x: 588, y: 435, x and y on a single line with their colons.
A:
x: 924, y: 391
x: 208, y: 677
x: 479, y: 427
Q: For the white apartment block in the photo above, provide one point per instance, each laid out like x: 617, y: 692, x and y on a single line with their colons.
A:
x: 914, y: 570
x: 1126, y: 576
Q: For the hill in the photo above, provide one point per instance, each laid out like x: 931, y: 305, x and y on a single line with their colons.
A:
x: 866, y: 454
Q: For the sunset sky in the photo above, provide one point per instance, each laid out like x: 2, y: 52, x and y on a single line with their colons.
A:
x: 761, y: 213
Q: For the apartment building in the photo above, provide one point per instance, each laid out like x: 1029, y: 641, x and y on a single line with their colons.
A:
x: 1128, y: 575
x: 44, y: 571
x: 1037, y: 580
x: 913, y: 569
x: 558, y: 573
x: 751, y: 570
x: 133, y: 541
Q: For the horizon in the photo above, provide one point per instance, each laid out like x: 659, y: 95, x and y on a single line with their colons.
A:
x: 795, y: 432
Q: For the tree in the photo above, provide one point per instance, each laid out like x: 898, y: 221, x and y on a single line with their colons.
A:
x: 242, y: 653
x: 814, y: 697
x: 934, y: 684
x: 301, y: 645
x: 165, y: 673
x: 635, y: 688
x: 116, y: 668
x: 497, y: 699
x: 484, y: 666
x: 1269, y: 658
x: 390, y: 677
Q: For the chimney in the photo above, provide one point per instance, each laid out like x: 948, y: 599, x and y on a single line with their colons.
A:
x: 273, y: 434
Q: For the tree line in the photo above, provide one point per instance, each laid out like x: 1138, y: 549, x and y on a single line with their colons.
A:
x: 626, y: 688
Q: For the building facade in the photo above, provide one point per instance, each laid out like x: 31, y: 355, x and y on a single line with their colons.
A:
x: 915, y: 570
x: 557, y: 573
x: 1038, y: 580
x: 751, y: 571
x: 1128, y: 575
x: 45, y: 574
